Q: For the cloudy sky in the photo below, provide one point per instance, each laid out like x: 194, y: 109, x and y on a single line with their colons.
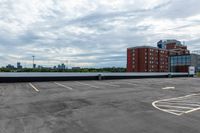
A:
x: 91, y: 33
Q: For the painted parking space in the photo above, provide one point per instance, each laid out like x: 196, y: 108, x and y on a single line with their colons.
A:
x: 62, y: 85
x: 48, y: 87
x: 76, y: 85
x: 179, y: 105
x: 89, y: 85
x: 15, y: 89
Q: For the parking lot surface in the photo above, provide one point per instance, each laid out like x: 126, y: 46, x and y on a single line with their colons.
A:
x: 166, y: 105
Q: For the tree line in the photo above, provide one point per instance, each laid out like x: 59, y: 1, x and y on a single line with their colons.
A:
x: 113, y: 69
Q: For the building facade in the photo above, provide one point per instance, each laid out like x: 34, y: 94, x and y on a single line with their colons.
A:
x: 181, y: 63
x: 169, y: 56
x: 147, y: 59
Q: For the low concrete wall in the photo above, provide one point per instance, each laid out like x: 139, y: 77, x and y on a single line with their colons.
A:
x: 38, y: 77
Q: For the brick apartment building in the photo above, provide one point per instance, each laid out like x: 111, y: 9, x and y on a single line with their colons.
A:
x: 158, y: 59
x: 147, y: 59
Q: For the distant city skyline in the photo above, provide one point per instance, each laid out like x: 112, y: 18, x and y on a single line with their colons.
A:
x: 89, y: 33
x: 19, y: 65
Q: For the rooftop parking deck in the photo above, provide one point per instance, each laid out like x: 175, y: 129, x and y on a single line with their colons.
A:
x: 165, y: 105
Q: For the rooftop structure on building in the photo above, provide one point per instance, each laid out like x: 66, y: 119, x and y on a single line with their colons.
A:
x: 162, y: 43
x: 173, y: 46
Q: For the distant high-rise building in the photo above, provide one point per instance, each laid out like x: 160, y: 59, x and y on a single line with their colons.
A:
x: 54, y: 67
x: 34, y: 66
x: 19, y: 66
x: 61, y: 66
x: 9, y: 66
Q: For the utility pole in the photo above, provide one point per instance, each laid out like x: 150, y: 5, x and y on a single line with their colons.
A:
x: 33, y: 61
x: 67, y: 63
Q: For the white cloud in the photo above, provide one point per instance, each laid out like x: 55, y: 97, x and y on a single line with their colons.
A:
x: 91, y: 33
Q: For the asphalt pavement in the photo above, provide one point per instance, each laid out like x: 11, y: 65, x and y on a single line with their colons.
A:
x: 165, y: 105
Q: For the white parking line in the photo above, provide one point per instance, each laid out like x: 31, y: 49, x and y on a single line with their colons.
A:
x: 178, y: 103
x: 195, y: 109
x: 171, y: 106
x: 174, y: 112
x: 168, y: 88
x: 33, y: 87
x: 87, y: 84
x: 166, y: 110
x: 63, y: 86
x: 187, y: 105
x: 178, y: 111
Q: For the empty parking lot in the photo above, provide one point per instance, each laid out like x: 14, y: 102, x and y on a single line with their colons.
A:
x: 167, y: 105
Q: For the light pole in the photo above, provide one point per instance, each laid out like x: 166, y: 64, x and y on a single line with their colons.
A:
x: 33, y: 61
x: 67, y: 64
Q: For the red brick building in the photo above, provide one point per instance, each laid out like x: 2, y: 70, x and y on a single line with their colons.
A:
x: 147, y: 59
x: 161, y: 59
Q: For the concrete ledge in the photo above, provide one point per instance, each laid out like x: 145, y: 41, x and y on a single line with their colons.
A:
x: 38, y: 77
